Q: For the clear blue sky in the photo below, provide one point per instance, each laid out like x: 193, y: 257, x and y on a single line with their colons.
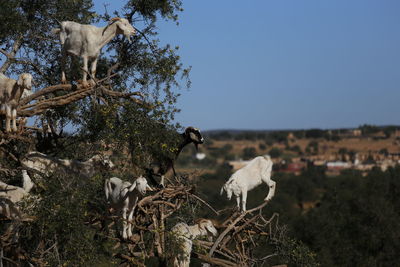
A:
x: 285, y: 64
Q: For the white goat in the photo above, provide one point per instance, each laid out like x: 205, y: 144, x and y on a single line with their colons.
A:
x: 16, y: 193
x: 86, y: 41
x: 10, y: 195
x: 258, y: 170
x: 186, y: 234
x: 124, y: 196
x: 46, y: 164
x: 10, y: 94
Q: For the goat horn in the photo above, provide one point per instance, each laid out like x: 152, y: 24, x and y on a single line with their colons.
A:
x: 149, y: 188
x: 115, y: 19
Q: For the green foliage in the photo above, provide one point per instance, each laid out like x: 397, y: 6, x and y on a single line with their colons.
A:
x: 299, y: 134
x: 149, y: 9
x: 61, y: 234
x: 367, y: 129
x: 209, y: 186
x: 220, y: 152
x: 349, y: 228
x: 275, y: 152
x: 313, y: 147
x: 219, y: 135
x: 314, y: 133
x: 27, y: 25
x: 248, y: 153
x: 262, y: 146
x: 144, y: 65
x: 295, y: 148
x: 295, y: 253
x: 66, y: 206
x: 334, y: 138
x: 389, y: 130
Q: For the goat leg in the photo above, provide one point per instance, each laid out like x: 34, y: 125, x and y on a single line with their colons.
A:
x: 93, y: 72
x: 124, y: 224
x: 63, y: 60
x: 238, y: 202
x: 85, y: 70
x: 8, y: 118
x: 244, y: 199
x: 130, y: 217
x: 14, y: 119
x: 271, y: 193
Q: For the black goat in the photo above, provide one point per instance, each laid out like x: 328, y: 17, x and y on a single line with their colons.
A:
x: 163, y: 163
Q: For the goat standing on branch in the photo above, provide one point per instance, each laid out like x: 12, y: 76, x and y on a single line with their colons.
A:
x: 16, y: 193
x: 10, y: 94
x: 164, y: 163
x: 124, y: 196
x: 186, y: 234
x: 258, y: 170
x: 86, y: 41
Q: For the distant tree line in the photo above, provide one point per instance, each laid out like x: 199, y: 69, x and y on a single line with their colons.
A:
x: 271, y: 136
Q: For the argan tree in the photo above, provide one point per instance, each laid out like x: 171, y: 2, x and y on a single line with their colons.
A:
x: 126, y: 114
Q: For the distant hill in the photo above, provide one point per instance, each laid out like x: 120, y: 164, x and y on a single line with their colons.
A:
x: 366, y: 129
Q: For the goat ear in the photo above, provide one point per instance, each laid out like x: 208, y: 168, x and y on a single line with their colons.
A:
x: 109, y: 23
x: 20, y: 81
x: 107, y: 189
x: 193, y: 136
x: 222, y: 191
x: 202, y: 224
x: 132, y: 187
x: 114, y: 19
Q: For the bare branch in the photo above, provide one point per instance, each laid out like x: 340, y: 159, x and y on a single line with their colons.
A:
x: 10, y: 56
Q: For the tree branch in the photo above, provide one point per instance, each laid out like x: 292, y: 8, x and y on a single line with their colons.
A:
x: 232, y: 225
x: 10, y: 56
x: 39, y: 107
